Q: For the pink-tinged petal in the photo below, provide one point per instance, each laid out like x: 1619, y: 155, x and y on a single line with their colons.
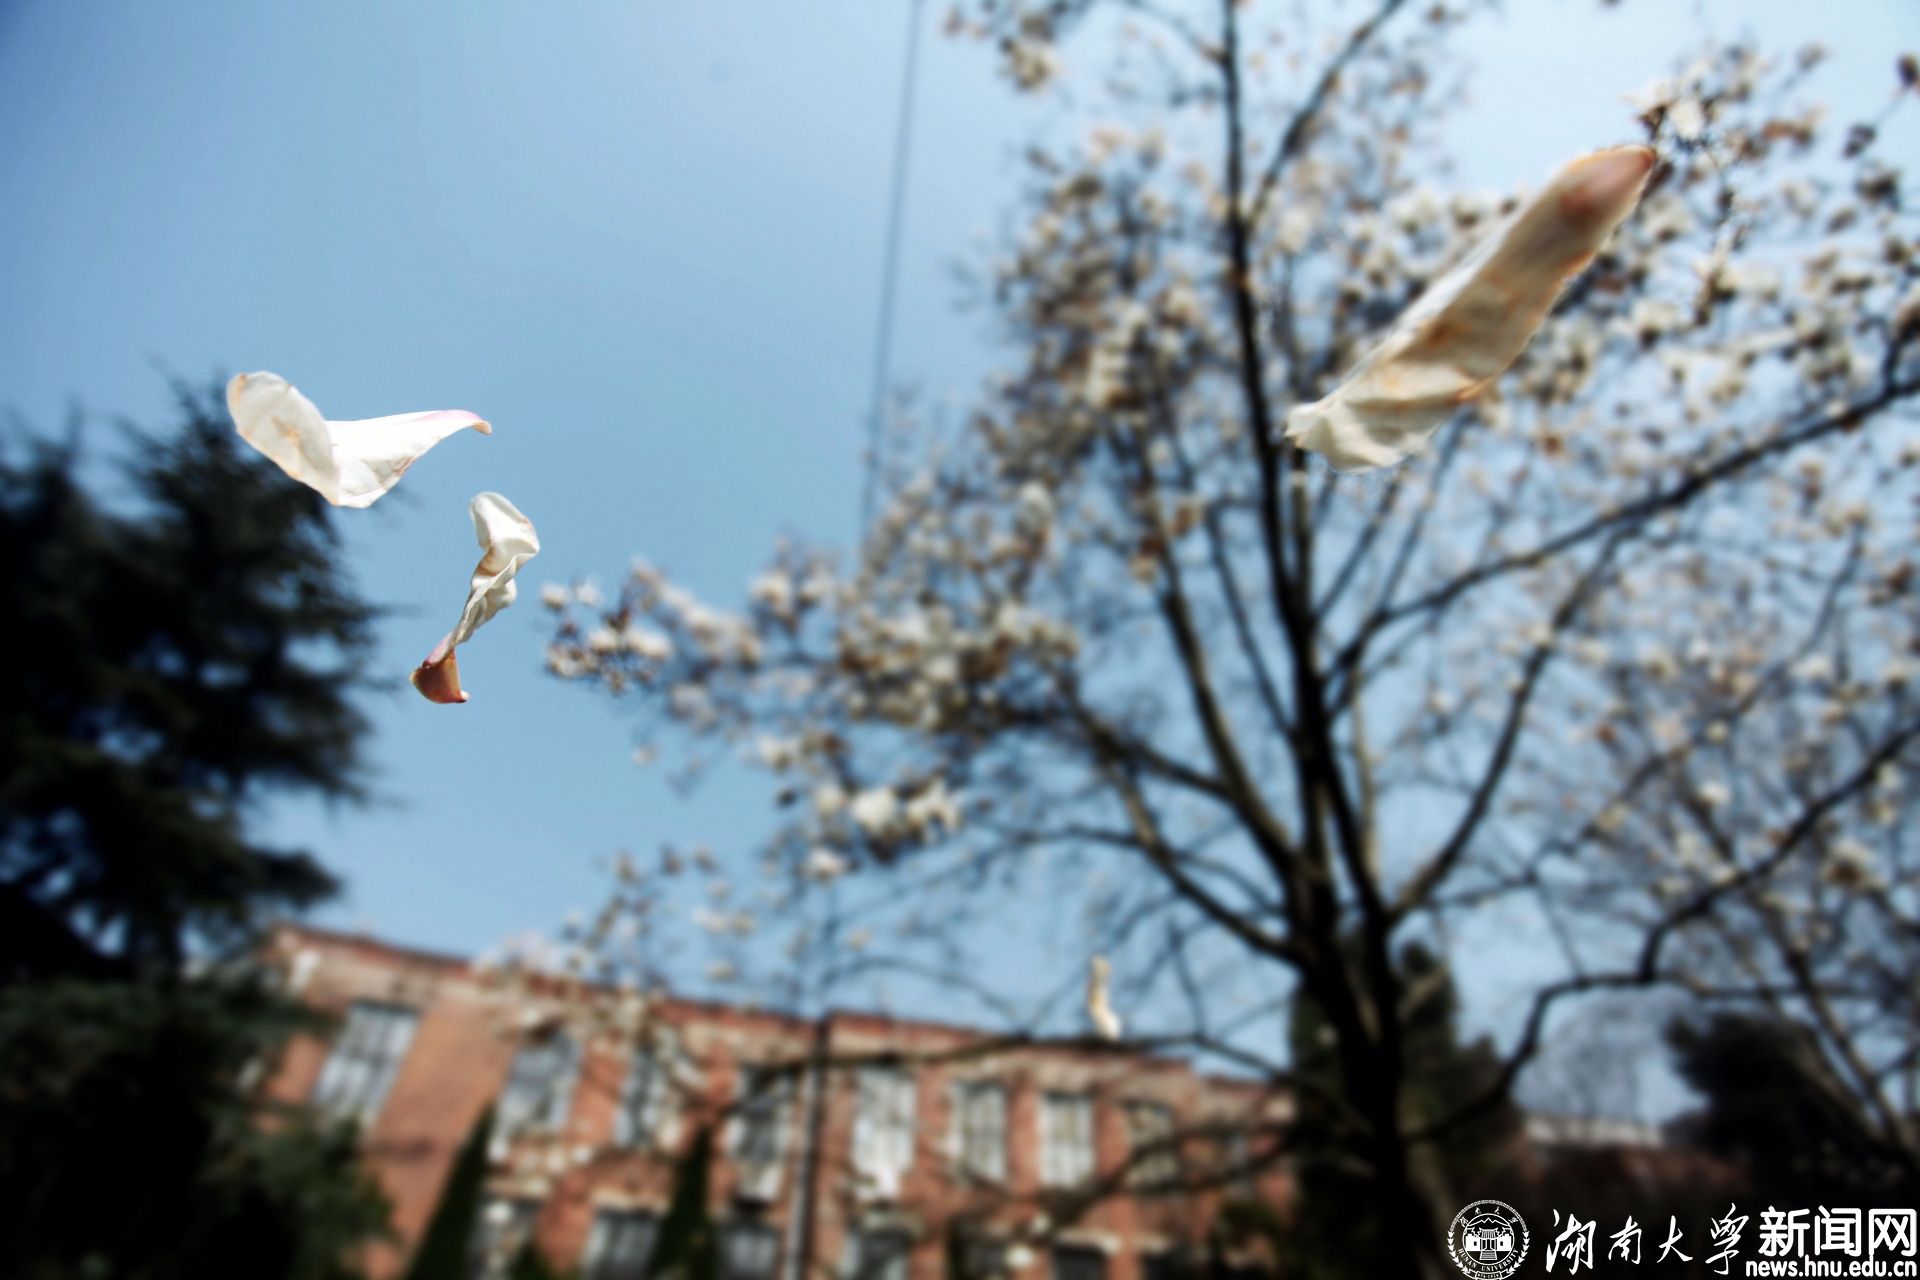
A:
x: 438, y: 678
x: 1474, y: 322
x: 371, y: 454
x: 350, y: 464
x: 507, y: 541
x: 273, y: 417
x: 1106, y: 1023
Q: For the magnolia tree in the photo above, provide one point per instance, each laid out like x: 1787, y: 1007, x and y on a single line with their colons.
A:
x: 1620, y: 653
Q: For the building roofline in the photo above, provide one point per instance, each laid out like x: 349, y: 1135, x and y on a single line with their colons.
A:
x: 367, y: 942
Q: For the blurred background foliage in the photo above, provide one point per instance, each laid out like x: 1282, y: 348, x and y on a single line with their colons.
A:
x: 185, y: 646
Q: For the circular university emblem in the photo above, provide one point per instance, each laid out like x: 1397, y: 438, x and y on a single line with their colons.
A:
x: 1487, y: 1240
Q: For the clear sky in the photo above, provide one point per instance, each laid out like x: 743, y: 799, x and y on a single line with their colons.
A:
x: 644, y: 240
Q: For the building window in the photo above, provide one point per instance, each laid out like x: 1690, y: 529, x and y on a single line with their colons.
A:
x: 980, y: 1258
x: 980, y: 1129
x: 1236, y: 1164
x: 880, y: 1254
x: 1078, y: 1262
x: 1066, y: 1139
x: 759, y: 1130
x: 882, y: 1128
x: 1153, y: 1158
x: 748, y: 1251
x: 647, y: 1096
x: 501, y: 1231
x: 540, y: 1086
x: 619, y: 1244
x: 365, y: 1059
x: 1171, y: 1264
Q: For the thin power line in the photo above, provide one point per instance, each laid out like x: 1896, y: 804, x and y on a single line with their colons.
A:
x: 890, y: 267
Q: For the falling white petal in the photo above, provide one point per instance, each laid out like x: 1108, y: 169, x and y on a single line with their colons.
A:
x: 350, y: 464
x: 1099, y: 1008
x: 1475, y: 321
x: 507, y: 541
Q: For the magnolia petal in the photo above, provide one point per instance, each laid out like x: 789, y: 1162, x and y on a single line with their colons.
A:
x: 1474, y: 322
x: 1106, y: 1023
x: 273, y: 417
x: 350, y: 464
x: 371, y: 454
x: 438, y: 678
x: 507, y: 541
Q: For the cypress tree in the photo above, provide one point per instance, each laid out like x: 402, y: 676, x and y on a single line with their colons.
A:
x: 686, y: 1248
x: 531, y: 1264
x: 1773, y: 1106
x: 1334, y: 1229
x: 446, y: 1251
x: 186, y: 647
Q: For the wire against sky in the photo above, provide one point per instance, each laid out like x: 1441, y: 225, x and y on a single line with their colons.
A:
x: 890, y: 266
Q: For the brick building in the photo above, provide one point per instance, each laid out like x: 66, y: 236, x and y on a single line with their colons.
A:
x: 850, y: 1144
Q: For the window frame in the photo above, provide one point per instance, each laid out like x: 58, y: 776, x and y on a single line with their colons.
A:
x: 548, y: 1111
x: 967, y: 1097
x: 1054, y: 1144
x: 763, y: 1098
x: 1177, y: 1262
x: 886, y: 1100
x: 521, y: 1221
x: 1162, y: 1169
x: 982, y: 1257
x: 362, y: 1063
x: 860, y: 1266
x: 649, y: 1122
x: 606, y: 1255
x: 731, y: 1231
x: 1084, y: 1252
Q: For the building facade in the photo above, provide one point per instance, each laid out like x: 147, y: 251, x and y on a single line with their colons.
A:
x: 846, y: 1145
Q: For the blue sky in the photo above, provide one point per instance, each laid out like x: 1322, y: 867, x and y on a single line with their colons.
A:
x: 644, y: 240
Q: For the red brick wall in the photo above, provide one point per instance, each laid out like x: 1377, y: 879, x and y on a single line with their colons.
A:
x: 464, y: 1045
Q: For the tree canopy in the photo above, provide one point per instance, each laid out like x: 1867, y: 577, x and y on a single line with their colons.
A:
x: 1619, y: 663
x: 189, y: 647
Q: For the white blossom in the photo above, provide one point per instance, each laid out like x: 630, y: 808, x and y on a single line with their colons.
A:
x: 1031, y: 63
x: 1849, y: 865
x: 774, y: 590
x: 875, y: 810
x: 824, y: 864
x: 829, y: 800
x: 933, y: 809
x: 645, y: 643
x: 1688, y: 118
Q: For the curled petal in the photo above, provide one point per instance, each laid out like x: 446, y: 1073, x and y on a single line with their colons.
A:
x: 350, y: 464
x: 507, y: 541
x: 1475, y: 321
x: 1106, y: 1023
x: 438, y: 678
